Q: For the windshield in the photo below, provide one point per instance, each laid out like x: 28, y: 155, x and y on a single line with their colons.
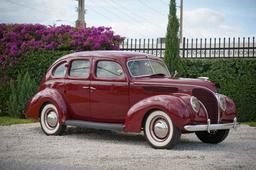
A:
x: 147, y: 67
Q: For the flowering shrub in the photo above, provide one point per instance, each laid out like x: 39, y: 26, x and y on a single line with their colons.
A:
x: 17, y: 39
x: 32, y: 48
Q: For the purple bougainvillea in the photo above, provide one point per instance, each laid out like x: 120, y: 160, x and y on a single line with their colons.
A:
x: 17, y: 39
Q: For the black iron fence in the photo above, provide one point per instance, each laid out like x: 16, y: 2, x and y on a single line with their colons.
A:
x: 197, y: 48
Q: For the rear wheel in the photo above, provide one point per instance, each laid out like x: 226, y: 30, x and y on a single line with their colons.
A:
x: 213, y: 137
x: 160, y: 131
x: 49, y: 121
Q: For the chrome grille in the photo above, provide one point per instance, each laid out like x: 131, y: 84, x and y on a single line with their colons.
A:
x: 210, y: 102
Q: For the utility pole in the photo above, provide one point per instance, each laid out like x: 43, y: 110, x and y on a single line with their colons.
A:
x: 80, y: 22
x: 181, y: 21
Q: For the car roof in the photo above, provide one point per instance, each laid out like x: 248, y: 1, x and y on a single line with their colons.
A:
x: 109, y: 54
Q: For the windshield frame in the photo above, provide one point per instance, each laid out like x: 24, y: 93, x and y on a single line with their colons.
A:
x: 148, y: 59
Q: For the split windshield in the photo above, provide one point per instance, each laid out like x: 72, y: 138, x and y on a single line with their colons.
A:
x: 147, y: 67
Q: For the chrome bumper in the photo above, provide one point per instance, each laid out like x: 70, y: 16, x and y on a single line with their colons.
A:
x: 211, y: 127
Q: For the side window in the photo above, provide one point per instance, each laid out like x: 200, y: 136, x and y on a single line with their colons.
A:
x: 60, y: 70
x: 80, y: 68
x: 109, y: 70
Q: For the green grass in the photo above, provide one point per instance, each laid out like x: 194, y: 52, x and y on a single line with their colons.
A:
x: 253, y: 124
x: 5, y: 120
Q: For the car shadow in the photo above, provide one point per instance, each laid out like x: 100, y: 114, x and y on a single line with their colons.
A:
x: 186, y: 143
x: 106, y: 135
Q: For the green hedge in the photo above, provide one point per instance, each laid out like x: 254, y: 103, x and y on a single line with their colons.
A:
x: 35, y: 63
x: 21, y: 90
x: 4, y: 96
x: 236, y: 78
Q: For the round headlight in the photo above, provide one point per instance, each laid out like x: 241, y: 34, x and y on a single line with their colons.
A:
x: 195, y: 104
x: 222, y: 101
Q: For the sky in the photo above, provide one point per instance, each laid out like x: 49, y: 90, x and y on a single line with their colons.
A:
x: 140, y: 18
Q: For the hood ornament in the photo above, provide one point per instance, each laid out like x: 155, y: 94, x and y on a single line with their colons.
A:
x: 175, y: 74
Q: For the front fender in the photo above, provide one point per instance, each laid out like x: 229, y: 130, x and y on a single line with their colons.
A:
x: 47, y: 95
x: 174, y: 106
x: 230, y: 113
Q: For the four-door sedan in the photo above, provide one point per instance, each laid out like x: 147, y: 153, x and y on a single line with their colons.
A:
x: 130, y: 92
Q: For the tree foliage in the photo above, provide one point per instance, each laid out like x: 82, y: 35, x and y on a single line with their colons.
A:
x: 21, y: 90
x: 172, y: 58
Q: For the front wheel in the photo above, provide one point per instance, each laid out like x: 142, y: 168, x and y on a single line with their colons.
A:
x: 160, y: 131
x: 49, y: 121
x: 213, y: 137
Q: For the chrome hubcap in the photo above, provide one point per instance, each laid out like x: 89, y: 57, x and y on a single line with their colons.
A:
x: 52, y: 119
x: 161, y: 128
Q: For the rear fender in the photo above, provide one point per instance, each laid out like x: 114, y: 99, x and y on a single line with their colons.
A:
x: 174, y: 106
x: 43, y: 97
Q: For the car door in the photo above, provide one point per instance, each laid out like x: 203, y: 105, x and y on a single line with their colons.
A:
x: 109, y: 92
x: 77, y: 88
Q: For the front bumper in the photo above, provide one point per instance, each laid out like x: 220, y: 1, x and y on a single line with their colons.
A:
x: 212, y: 127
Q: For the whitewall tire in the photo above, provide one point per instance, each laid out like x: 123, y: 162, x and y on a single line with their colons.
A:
x: 160, y: 131
x: 49, y: 120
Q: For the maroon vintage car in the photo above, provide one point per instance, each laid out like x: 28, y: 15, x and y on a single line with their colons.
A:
x: 130, y: 92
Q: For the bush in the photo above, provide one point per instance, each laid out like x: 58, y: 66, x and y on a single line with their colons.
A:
x: 36, y: 63
x: 236, y: 78
x: 17, y: 39
x: 4, y: 95
x: 33, y: 48
x: 21, y: 90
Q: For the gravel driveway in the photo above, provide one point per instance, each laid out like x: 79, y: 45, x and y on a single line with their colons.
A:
x: 27, y: 147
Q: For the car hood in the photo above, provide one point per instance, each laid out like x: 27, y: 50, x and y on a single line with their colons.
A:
x: 178, y: 82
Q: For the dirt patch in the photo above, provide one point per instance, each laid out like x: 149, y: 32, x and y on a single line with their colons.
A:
x: 27, y: 147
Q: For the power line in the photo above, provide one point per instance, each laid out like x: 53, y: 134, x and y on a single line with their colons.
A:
x: 36, y: 9
x: 151, y: 8
x: 23, y: 5
x: 164, y: 2
x: 30, y: 7
x: 103, y: 15
x: 128, y: 14
x: 100, y: 14
x: 131, y: 15
x: 116, y: 14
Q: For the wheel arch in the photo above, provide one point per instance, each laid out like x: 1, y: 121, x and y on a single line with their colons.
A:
x: 44, y: 97
x: 42, y: 107
x: 146, y: 116
x: 172, y: 105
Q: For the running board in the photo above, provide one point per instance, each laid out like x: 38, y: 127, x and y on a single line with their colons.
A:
x: 95, y: 125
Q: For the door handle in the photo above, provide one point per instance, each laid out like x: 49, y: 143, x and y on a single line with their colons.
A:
x: 92, y: 88
x: 87, y: 87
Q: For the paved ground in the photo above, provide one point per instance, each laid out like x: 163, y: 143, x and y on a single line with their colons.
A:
x: 26, y: 147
